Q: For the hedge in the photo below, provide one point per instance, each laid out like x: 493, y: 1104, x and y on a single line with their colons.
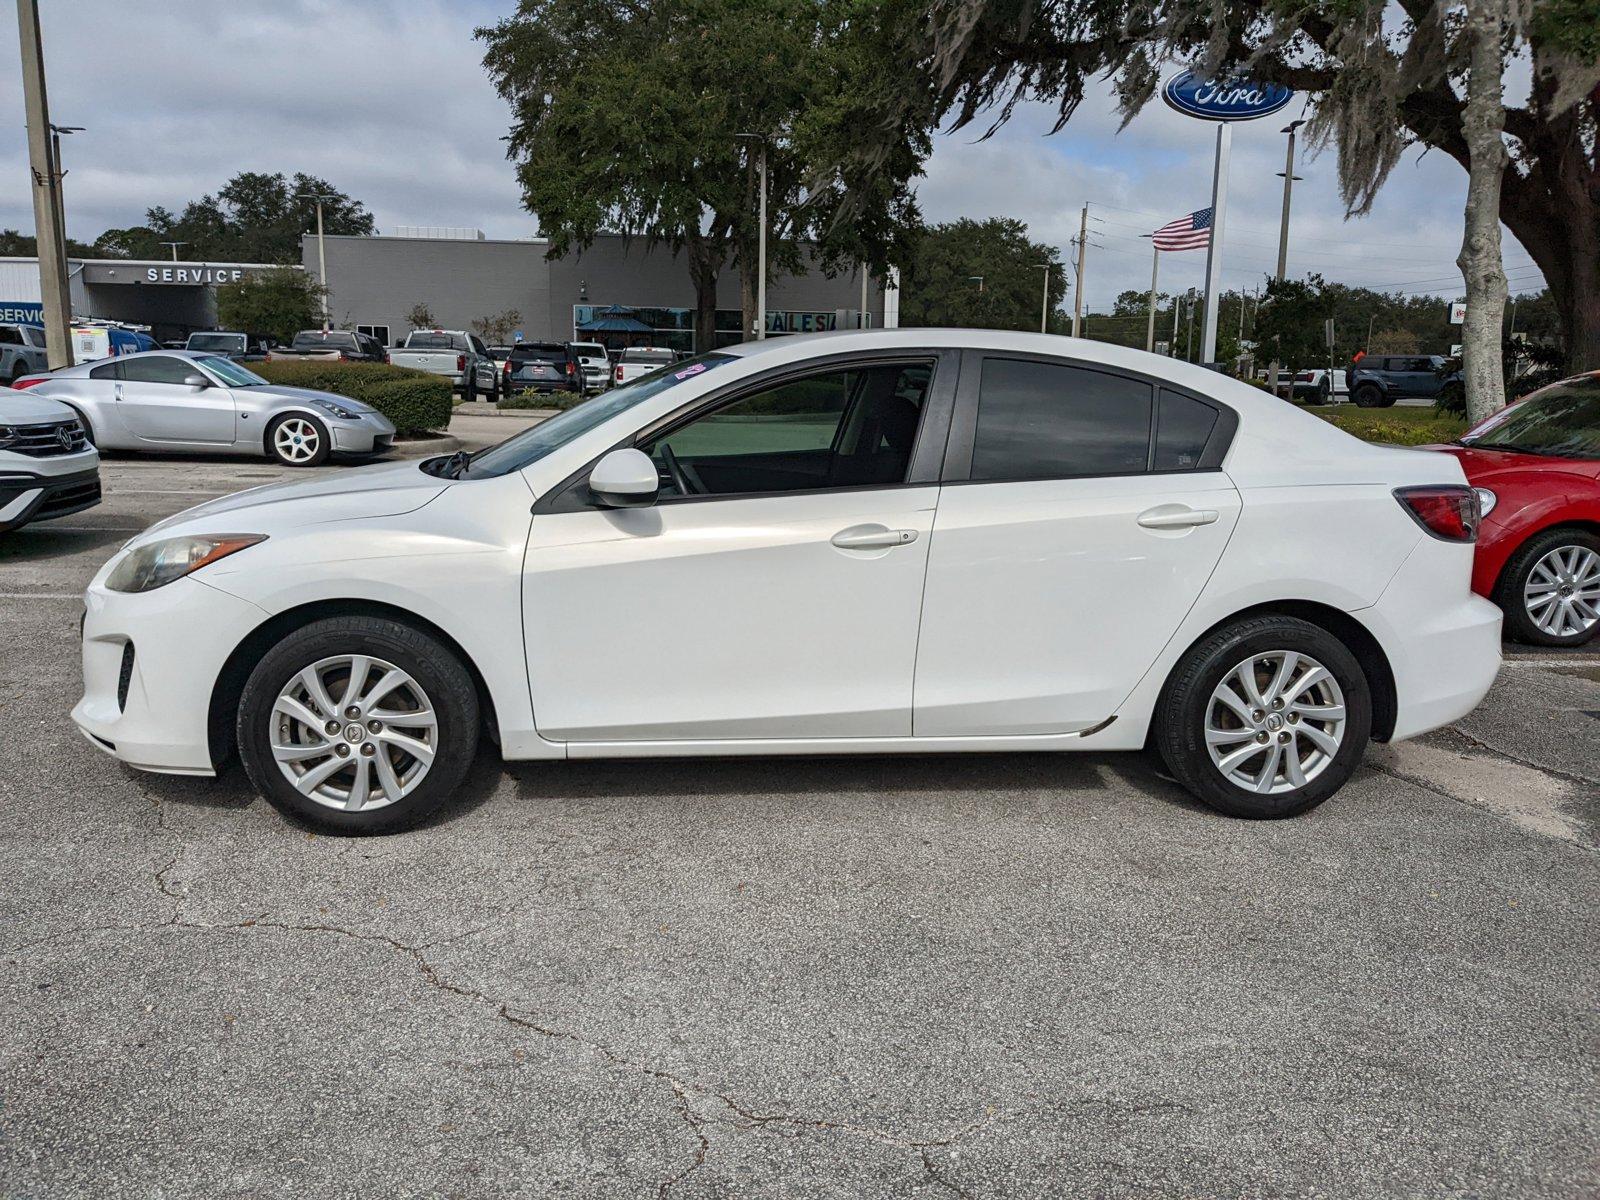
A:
x: 415, y: 401
x: 560, y: 401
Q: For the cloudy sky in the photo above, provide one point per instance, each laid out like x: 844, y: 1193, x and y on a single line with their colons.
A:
x: 388, y: 100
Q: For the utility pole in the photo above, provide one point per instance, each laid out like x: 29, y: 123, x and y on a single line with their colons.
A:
x: 322, y: 255
x: 1177, y: 308
x: 1077, y: 298
x: 1044, y: 305
x: 47, y: 220
x: 1366, y: 346
x: 1188, y: 352
x: 1283, y: 235
x: 174, y: 246
x: 761, y: 254
x: 1155, y: 265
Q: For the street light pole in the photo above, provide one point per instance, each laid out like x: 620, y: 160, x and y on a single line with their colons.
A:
x: 174, y: 246
x: 1077, y: 296
x: 761, y: 253
x: 1283, y: 232
x: 47, y: 221
x: 322, y: 254
x: 1044, y: 304
x: 60, y: 174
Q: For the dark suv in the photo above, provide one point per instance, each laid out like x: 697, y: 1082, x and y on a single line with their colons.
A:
x: 1378, y: 380
x: 542, y: 367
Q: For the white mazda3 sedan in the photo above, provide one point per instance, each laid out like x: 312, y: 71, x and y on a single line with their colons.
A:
x: 207, y: 403
x: 904, y: 540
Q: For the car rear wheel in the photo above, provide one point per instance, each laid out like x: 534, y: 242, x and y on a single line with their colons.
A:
x: 1550, y: 591
x: 358, y: 725
x: 1266, y: 717
x: 296, y: 440
x: 1368, y: 396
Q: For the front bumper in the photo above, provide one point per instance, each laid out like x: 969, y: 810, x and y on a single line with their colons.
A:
x: 28, y: 496
x: 373, y: 433
x: 150, y: 662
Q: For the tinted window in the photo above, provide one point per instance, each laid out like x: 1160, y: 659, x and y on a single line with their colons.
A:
x: 436, y: 341
x: 158, y: 368
x: 1043, y: 421
x: 216, y: 341
x: 1183, y: 427
x: 231, y: 373
x: 649, y: 356
x: 10, y: 336
x: 34, y: 334
x: 854, y: 427
x: 104, y: 371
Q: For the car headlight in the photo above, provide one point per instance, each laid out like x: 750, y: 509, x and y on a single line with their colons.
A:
x: 337, y: 410
x: 1486, y: 501
x: 157, y: 564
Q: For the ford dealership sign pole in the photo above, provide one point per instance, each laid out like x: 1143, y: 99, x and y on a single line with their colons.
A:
x: 1222, y: 101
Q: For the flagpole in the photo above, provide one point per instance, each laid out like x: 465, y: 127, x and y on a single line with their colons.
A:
x: 1219, y: 206
x: 1155, y: 264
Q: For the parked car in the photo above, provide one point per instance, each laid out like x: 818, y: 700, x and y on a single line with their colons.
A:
x: 1320, y: 386
x: 22, y: 351
x: 637, y: 361
x: 1536, y: 466
x: 93, y: 342
x: 904, y: 540
x: 500, y: 353
x: 542, y: 367
x: 1378, y: 380
x: 461, y: 356
x: 332, y: 345
x: 593, y: 364
x: 181, y: 400
x: 240, y: 347
x: 47, y: 466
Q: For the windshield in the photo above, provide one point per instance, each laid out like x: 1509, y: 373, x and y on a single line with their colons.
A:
x: 531, y: 445
x: 313, y: 338
x: 215, y: 341
x: 648, y: 356
x: 230, y: 372
x: 1562, y: 421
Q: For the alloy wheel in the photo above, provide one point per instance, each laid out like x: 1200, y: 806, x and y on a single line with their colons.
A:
x: 354, y: 732
x: 296, y: 440
x: 1275, y: 722
x: 1562, y: 595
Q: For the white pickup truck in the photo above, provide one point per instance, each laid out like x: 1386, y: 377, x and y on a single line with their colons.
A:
x: 455, y: 353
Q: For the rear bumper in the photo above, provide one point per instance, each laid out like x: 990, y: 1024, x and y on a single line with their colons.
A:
x: 1441, y: 640
x: 26, y: 497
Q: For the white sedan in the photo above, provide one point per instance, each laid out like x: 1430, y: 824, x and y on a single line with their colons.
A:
x: 888, y: 541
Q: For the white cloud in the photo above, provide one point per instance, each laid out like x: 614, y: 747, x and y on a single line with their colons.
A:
x: 389, y: 101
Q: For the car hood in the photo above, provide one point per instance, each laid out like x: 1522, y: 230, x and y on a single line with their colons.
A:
x: 18, y: 407
x: 1484, y: 466
x: 301, y: 395
x: 381, y: 490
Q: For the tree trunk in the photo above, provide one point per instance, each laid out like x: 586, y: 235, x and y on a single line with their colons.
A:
x: 749, y: 274
x: 1482, y: 123
x: 705, y: 264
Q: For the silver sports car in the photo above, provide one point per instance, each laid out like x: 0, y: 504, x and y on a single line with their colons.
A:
x: 182, y: 400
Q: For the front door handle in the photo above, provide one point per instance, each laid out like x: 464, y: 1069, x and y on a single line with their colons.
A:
x: 872, y: 537
x: 1176, y: 516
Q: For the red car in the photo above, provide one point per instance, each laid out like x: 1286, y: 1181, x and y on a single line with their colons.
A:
x: 1536, y: 466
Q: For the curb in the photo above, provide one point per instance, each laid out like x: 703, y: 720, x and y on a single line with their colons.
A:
x: 425, y: 447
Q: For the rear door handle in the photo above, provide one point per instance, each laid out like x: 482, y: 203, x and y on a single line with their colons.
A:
x: 1176, y: 516
x: 872, y: 537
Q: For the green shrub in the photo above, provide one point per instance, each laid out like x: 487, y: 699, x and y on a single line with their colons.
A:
x: 415, y: 401
x: 560, y: 401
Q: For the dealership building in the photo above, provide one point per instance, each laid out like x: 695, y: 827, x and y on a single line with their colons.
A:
x: 460, y: 277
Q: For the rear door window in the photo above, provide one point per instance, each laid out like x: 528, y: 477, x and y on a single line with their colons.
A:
x: 1040, y: 420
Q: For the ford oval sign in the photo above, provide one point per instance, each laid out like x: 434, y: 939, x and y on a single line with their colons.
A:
x: 1224, y: 100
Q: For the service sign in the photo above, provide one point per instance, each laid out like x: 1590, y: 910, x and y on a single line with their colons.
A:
x: 1224, y: 100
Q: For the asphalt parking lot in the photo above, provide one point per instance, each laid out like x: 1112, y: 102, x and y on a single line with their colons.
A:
x: 957, y: 976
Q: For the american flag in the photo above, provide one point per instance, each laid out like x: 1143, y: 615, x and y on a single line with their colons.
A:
x: 1186, y: 233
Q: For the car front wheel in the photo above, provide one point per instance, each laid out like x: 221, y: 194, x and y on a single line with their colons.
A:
x: 299, y: 441
x: 1368, y: 396
x: 358, y: 725
x: 1550, y: 591
x: 1266, y: 717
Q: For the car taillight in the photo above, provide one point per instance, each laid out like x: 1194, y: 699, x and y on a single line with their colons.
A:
x: 619, y: 374
x: 461, y: 362
x: 388, y: 358
x: 1449, y: 512
x: 508, y: 366
x: 570, y: 368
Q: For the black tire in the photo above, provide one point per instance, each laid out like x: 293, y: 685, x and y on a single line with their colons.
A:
x: 1183, y: 711
x: 18, y: 370
x: 1508, y: 594
x: 283, y: 456
x: 1368, y: 395
x: 88, y: 428
x: 443, y: 679
x: 469, y: 387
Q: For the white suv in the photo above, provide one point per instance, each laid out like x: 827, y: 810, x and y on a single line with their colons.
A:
x: 48, y: 468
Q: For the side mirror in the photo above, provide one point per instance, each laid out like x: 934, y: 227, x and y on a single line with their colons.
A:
x: 625, y: 479
x: 197, y: 381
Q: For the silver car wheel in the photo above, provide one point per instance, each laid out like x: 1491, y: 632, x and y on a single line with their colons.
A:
x: 353, y: 732
x: 296, y: 440
x: 1562, y: 595
x: 1275, y: 722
